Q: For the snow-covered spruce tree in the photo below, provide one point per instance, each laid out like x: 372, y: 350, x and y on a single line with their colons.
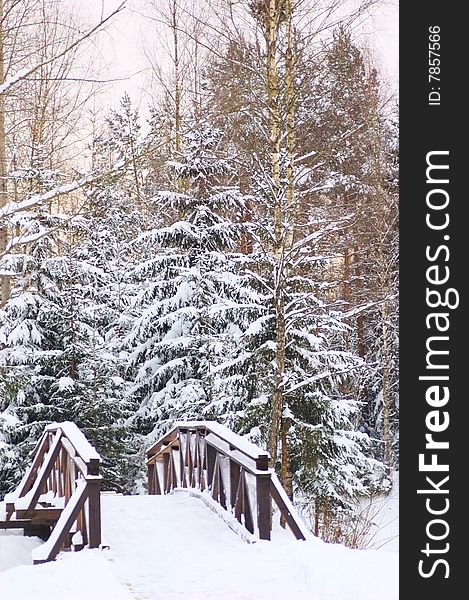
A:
x: 31, y: 345
x: 103, y: 370
x: 23, y: 327
x: 95, y: 390
x: 122, y: 142
x: 55, y: 355
x: 58, y: 362
x: 190, y: 289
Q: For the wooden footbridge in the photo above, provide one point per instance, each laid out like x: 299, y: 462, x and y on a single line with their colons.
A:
x: 59, y: 495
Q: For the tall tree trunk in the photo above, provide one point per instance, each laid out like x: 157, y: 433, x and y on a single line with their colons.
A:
x: 5, y: 281
x: 273, y: 99
x: 291, y: 208
x: 386, y: 365
x: 177, y: 90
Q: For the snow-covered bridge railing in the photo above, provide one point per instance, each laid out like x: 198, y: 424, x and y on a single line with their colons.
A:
x: 210, y: 457
x: 59, y: 494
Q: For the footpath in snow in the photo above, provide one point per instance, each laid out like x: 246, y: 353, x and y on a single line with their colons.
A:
x: 174, y: 547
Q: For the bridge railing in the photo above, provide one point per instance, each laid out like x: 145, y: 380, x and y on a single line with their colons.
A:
x: 60, y: 490
x: 210, y: 457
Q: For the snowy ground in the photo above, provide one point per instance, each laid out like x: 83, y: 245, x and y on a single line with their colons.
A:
x: 383, y: 512
x: 174, y: 547
x: 15, y: 549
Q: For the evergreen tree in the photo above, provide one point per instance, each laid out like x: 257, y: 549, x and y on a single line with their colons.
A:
x: 189, y: 286
x: 60, y: 351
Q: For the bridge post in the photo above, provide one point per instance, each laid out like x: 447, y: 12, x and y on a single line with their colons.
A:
x: 210, y: 460
x: 94, y: 504
x: 151, y: 479
x: 264, y: 519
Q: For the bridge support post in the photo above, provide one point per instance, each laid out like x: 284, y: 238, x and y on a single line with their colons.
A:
x: 263, y: 505
x: 94, y: 514
x: 94, y: 504
x: 151, y: 479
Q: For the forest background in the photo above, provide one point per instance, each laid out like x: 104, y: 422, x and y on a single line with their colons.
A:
x: 223, y: 246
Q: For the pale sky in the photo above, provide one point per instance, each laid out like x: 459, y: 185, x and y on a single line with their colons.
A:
x: 121, y: 45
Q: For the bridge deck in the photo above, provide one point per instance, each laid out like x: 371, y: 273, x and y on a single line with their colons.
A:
x: 180, y: 549
x: 175, y: 548
x: 193, y: 554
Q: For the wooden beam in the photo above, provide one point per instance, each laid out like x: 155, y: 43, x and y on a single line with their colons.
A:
x: 234, y: 481
x: 163, y: 441
x: 286, y: 508
x: 51, y: 548
x: 68, y: 446
x: 45, y: 470
x: 80, y: 463
x: 14, y: 524
x: 49, y: 515
x: 27, y: 482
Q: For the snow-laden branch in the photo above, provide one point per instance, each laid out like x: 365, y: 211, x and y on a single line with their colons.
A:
x: 27, y: 71
x: 37, y: 199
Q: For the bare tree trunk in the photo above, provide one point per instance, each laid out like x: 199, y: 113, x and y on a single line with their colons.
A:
x: 5, y: 281
x: 360, y: 325
x: 273, y: 99
x: 386, y: 364
x: 291, y: 208
x: 177, y: 89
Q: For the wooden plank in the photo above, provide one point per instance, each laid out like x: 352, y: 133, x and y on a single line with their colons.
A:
x: 237, y: 456
x: 61, y: 462
x: 215, y: 483
x: 190, y: 459
x: 68, y: 446
x: 174, y: 445
x: 51, y: 548
x: 28, y: 480
x: 14, y: 524
x: 174, y: 479
x: 166, y: 484
x: 239, y: 498
x: 163, y: 441
x: 218, y: 490
x: 200, y: 460
x: 158, y: 487
x: 247, y: 511
x: 82, y: 526
x: 39, y: 443
x: 286, y: 508
x: 71, y: 478
x: 230, y: 438
x: 39, y: 514
x: 45, y: 470
x: 80, y: 463
x: 182, y: 469
x: 10, y: 509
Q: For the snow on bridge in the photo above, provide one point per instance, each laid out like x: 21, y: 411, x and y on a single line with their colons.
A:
x: 174, y: 547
